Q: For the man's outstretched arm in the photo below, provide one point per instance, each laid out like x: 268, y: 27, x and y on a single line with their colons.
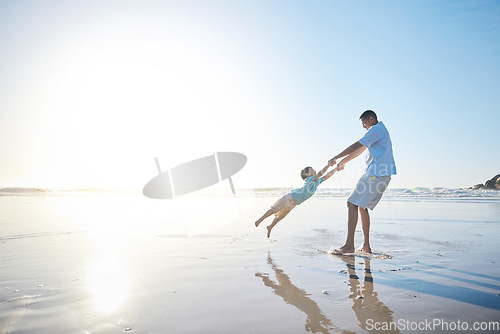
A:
x: 351, y: 149
x: 355, y: 154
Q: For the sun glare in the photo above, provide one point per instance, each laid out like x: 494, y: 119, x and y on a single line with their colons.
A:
x: 108, y: 282
x: 110, y: 96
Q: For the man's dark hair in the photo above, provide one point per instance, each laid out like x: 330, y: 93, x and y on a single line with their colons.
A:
x: 304, y: 172
x: 367, y: 114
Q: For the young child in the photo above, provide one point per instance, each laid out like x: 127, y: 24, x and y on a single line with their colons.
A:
x: 295, y: 197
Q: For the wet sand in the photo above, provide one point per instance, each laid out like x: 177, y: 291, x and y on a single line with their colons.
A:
x: 114, y: 264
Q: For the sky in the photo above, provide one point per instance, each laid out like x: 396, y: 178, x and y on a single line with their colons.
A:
x: 91, y: 91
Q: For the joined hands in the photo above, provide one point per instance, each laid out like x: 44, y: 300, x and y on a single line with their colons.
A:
x: 340, y: 165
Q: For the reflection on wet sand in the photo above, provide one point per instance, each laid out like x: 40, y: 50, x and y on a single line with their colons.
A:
x: 108, y: 282
x: 368, y: 309
x: 316, y: 321
x: 365, y: 303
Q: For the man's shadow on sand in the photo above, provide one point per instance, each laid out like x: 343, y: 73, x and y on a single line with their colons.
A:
x: 366, y: 304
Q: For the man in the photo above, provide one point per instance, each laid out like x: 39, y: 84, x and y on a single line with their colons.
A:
x: 379, y: 168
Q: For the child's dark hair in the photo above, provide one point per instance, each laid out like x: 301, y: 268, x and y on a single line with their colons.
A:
x: 303, y: 173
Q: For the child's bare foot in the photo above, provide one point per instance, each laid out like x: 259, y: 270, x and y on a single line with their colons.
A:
x: 342, y: 250
x: 364, y: 249
x: 269, y: 228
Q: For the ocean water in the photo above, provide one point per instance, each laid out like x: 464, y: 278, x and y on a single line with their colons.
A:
x: 417, y: 192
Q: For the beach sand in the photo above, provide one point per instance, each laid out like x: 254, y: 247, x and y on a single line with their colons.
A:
x: 86, y: 263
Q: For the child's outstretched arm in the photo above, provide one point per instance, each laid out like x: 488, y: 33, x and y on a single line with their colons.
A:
x: 321, y: 172
x: 330, y: 173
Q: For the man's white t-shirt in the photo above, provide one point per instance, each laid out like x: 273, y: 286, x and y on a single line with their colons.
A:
x: 379, y: 161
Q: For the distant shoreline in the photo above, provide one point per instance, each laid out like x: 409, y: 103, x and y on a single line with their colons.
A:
x: 417, y: 192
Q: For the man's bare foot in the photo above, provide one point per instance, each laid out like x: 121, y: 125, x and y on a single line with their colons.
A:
x: 258, y: 222
x: 269, y: 228
x: 341, y: 250
x: 364, y: 249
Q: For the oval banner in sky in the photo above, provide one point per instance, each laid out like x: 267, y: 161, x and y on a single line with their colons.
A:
x: 195, y: 175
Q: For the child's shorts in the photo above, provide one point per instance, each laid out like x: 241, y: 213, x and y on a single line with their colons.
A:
x: 283, y: 205
x: 368, y: 191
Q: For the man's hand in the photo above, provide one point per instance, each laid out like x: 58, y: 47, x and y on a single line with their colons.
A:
x: 341, y: 165
x: 332, y: 162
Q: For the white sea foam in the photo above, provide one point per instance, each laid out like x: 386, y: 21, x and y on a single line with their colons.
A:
x: 418, y: 192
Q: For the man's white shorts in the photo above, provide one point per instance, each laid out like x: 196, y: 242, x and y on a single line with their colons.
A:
x: 368, y: 191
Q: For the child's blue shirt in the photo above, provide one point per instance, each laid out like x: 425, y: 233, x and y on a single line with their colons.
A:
x: 299, y: 195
